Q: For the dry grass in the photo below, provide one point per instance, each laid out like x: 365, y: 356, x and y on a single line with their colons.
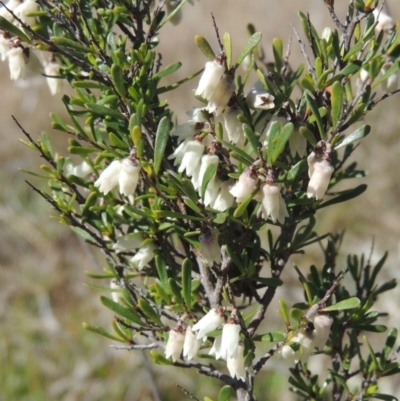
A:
x: 45, y: 354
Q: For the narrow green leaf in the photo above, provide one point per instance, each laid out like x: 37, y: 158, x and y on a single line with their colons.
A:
x: 250, y: 45
x: 175, y: 290
x: 148, y: 310
x: 225, y: 393
x: 117, y: 74
x: 284, y: 311
x: 269, y: 281
x: 121, y: 310
x: 208, y: 176
x: 160, y: 359
x: 384, y: 397
x: 273, y: 336
x: 251, y: 137
x: 351, y: 68
x: 204, y: 46
x: 80, y: 150
x: 236, y: 260
x: 102, y: 332
x: 167, y: 70
x: 176, y: 215
x: 70, y: 44
x: 104, y: 111
x: 345, y: 196
x: 353, y: 50
x: 281, y: 140
x: 116, y: 141
x: 88, y: 85
x: 187, y: 282
x: 228, y: 48
x: 162, y: 271
x: 242, y: 207
x: 274, y: 132
x: 389, y: 344
x: 162, y: 136
x: 392, y: 70
x: 12, y: 29
x: 308, y: 135
x: 337, y: 103
x: 277, y: 48
x: 350, y: 303
x: 360, y: 133
x: 314, y: 108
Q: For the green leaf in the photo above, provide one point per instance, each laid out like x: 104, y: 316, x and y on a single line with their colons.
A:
x: 284, y: 311
x: 160, y: 359
x: 236, y: 260
x: 314, y: 108
x: 148, y: 310
x: 84, y: 234
x: 351, y: 68
x: 308, y: 135
x: 269, y: 281
x: 176, y: 215
x: 121, y: 310
x: 242, y: 206
x: 281, y: 140
x: 170, y: 69
x: 162, y: 271
x: 102, y: 332
x: 225, y: 393
x: 384, y: 397
x: 228, y: 48
x: 296, y: 314
x: 88, y: 85
x: 12, y: 29
x: 392, y: 70
x: 80, y: 150
x: 175, y: 290
x: 250, y: 45
x: 251, y: 137
x: 360, y: 133
x: 345, y: 196
x: 337, y: 103
x: 274, y: 131
x: 208, y: 176
x: 204, y: 46
x: 70, y: 44
x: 104, y: 111
x: 277, y: 48
x: 117, y: 75
x: 162, y: 136
x: 187, y: 282
x: 350, y: 303
x: 273, y: 336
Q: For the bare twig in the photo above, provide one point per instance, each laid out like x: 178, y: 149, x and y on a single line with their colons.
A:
x: 263, y: 360
x: 135, y: 346
x: 189, y: 394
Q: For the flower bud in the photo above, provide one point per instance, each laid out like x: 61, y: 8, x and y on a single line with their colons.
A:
x: 385, y: 21
x: 52, y: 70
x: 322, y: 327
x: 391, y: 83
x: 209, y: 322
x: 126, y: 243
x: 305, y: 340
x: 230, y: 340
x: 272, y: 203
x: 210, y: 249
x: 191, y: 345
x: 319, y: 181
x: 221, y: 95
x: 327, y: 34
x: 206, y: 161
x: 244, y: 187
x: 174, y: 344
x: 81, y: 170
x: 16, y: 63
x: 129, y: 176
x: 212, y: 74
x: 236, y: 365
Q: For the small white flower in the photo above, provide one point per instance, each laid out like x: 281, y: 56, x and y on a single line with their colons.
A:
x: 16, y: 63
x: 4, y: 47
x: 259, y: 99
x: 322, y: 327
x: 81, y: 170
x: 213, y: 72
x: 191, y: 345
x: 224, y: 199
x: 364, y: 75
x: 210, y: 249
x: 143, y: 256
x: 272, y: 203
x: 244, y: 186
x: 326, y: 34
x: 27, y: 7
x: 191, y: 159
x: 391, y: 83
x: 230, y: 340
x: 11, y: 5
x: 188, y: 130
x: 233, y: 126
x: 126, y: 243
x: 306, y: 347
x: 129, y: 177
x: 236, y: 365
x: 209, y: 322
x: 319, y: 181
x: 116, y: 287
x: 385, y: 21
x: 297, y: 144
x: 215, y: 350
x: 108, y: 179
x: 311, y: 160
x: 221, y: 95
x: 55, y: 84
x: 174, y: 344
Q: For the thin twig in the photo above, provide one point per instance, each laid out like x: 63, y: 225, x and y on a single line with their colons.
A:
x: 135, y: 346
x: 189, y: 394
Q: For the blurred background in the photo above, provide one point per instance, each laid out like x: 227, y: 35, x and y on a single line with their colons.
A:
x: 44, y: 352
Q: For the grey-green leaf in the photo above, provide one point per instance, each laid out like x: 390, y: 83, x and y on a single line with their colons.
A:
x: 161, y: 142
x: 350, y: 303
x: 121, y: 310
x: 337, y: 102
x: 228, y: 48
x: 360, y: 133
x: 250, y: 45
x: 11, y: 28
x: 281, y: 140
x: 204, y: 46
x: 225, y: 393
x: 117, y: 74
x: 187, y: 282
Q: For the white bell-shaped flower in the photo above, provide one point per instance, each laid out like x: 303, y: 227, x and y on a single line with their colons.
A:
x: 305, y: 339
x: 259, y: 99
x: 81, y: 170
x: 52, y: 69
x: 11, y: 5
x: 209, y: 322
x: 224, y: 199
x: 4, y: 47
x: 212, y: 74
x: 391, y: 83
x: 319, y: 181
x: 322, y: 327
x: 221, y: 95
x: 16, y: 63
x: 109, y: 177
x: 210, y: 249
x: 272, y: 203
x: 385, y: 21
x: 126, y: 243
x: 215, y: 350
x: 191, y: 345
x: 236, y: 365
x: 129, y: 176
x: 244, y: 186
x: 116, y: 287
x: 188, y: 130
x: 144, y: 256
x: 191, y: 159
x: 25, y: 8
x: 230, y: 340
x: 233, y: 126
x: 174, y: 345
x: 297, y: 144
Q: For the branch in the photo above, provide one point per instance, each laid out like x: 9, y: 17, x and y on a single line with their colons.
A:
x: 135, y: 346
x: 263, y: 360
